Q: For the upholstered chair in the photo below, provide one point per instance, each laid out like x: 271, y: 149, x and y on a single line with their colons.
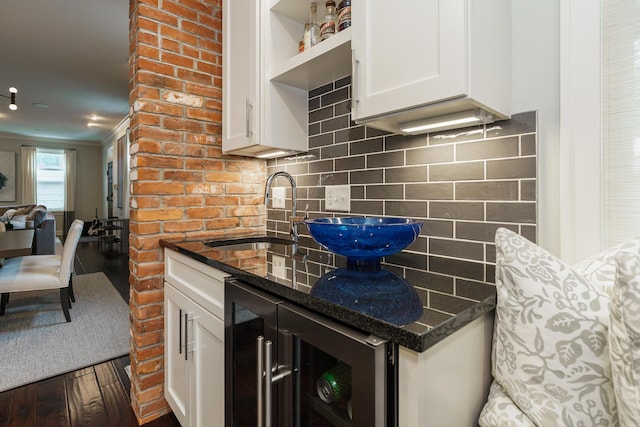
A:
x: 42, y: 272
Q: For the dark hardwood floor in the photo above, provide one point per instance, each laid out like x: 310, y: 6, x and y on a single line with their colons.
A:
x: 94, y: 396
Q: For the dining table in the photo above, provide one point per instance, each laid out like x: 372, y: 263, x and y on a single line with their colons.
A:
x: 16, y: 243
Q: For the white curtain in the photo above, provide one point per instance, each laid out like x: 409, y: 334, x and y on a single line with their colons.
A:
x: 69, y: 180
x: 29, y: 175
x: 621, y: 119
x: 69, y: 188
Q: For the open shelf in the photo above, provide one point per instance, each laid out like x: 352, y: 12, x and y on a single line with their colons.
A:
x: 325, y: 62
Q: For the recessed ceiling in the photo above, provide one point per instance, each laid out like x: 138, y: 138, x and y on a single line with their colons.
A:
x: 69, y: 61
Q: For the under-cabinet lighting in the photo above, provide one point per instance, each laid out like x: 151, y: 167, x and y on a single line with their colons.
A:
x: 271, y: 154
x: 448, y: 121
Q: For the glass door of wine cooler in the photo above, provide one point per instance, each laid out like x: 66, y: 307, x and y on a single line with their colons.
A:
x: 248, y: 315
x: 340, y: 375
x: 288, y: 367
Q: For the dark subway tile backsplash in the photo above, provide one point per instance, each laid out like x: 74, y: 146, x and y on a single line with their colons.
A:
x: 489, y: 149
x: 463, y: 184
x: 487, y: 190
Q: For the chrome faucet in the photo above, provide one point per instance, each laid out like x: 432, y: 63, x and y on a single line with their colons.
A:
x: 293, y: 219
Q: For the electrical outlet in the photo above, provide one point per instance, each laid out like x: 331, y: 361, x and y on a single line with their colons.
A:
x: 278, y: 267
x: 337, y: 198
x: 278, y: 194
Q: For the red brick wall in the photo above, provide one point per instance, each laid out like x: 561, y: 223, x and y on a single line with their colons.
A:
x: 181, y: 185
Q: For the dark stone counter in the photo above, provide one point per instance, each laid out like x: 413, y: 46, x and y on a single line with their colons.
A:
x: 404, y: 304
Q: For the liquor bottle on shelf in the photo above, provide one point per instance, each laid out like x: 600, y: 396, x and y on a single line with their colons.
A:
x: 312, y: 36
x: 328, y: 27
x: 344, y: 15
x: 302, y: 42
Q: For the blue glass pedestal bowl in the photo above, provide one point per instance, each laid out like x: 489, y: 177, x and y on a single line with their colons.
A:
x: 364, y: 240
x: 375, y: 292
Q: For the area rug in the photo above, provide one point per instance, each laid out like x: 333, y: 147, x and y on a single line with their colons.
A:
x: 37, y: 343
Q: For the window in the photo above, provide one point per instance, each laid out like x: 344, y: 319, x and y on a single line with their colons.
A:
x: 50, y: 167
x: 621, y: 106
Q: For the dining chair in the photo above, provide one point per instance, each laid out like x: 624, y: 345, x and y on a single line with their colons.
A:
x: 41, y: 272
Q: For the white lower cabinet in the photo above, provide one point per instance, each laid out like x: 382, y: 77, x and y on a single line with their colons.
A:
x: 448, y: 384
x: 194, y: 341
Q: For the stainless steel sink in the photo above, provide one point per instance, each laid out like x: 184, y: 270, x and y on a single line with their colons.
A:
x: 249, y: 243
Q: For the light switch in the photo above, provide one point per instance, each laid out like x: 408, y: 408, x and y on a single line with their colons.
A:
x: 337, y: 198
x: 278, y: 194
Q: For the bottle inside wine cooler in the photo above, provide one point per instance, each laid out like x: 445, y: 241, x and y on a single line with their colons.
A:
x: 335, y: 384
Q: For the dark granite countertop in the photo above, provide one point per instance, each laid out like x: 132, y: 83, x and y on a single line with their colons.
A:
x: 394, y: 304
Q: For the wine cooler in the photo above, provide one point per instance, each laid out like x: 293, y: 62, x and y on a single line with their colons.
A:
x: 286, y: 366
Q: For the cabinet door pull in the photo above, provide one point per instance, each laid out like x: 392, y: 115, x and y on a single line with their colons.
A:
x: 260, y: 366
x: 271, y: 375
x: 188, y: 320
x: 180, y: 333
x: 354, y: 84
x: 186, y: 336
x: 248, y: 114
x: 268, y: 378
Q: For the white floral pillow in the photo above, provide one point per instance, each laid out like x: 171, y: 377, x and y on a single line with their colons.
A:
x: 600, y: 269
x: 624, y: 337
x: 550, y: 350
x: 501, y: 411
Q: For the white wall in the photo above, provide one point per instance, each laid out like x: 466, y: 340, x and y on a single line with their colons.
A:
x: 536, y: 86
x: 556, y: 70
x: 581, y: 155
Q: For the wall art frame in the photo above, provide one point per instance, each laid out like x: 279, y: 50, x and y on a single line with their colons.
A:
x: 7, y: 176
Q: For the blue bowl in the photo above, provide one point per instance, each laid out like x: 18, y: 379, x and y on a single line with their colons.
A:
x: 364, y: 238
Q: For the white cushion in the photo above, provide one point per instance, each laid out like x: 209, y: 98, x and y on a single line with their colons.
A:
x: 16, y: 276
x: 550, y: 350
x: 624, y: 336
x: 8, y: 214
x: 600, y: 269
x: 34, y: 272
x: 500, y: 411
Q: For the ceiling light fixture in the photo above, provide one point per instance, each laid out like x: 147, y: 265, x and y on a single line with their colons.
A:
x: 12, y: 97
x: 448, y: 121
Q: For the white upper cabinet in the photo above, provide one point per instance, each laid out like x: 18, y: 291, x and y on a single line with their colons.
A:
x: 417, y: 59
x: 409, y: 60
x: 240, y: 75
x: 261, y: 117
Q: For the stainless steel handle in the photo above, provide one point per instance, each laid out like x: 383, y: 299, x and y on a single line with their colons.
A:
x: 268, y: 378
x: 271, y: 376
x: 260, y: 366
x: 186, y: 336
x: 188, y: 350
x: 248, y: 114
x: 180, y: 333
x: 354, y: 73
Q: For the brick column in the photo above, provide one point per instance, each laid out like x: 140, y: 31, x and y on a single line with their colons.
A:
x: 181, y: 185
